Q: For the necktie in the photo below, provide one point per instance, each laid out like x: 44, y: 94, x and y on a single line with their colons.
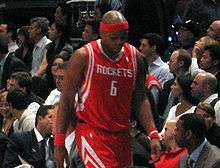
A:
x: 190, y: 162
x: 42, y: 148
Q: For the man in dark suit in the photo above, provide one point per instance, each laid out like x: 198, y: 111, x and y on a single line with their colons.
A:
x: 3, y: 145
x: 8, y: 63
x: 190, y: 132
x: 34, y: 147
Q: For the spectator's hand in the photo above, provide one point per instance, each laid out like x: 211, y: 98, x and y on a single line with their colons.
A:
x: 155, y: 150
x: 60, y: 154
x: 196, y: 51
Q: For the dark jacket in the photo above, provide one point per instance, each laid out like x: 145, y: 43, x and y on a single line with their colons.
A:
x: 27, y: 58
x: 26, y: 145
x: 213, y: 135
x: 12, y: 64
x: 208, y: 158
x: 3, y: 146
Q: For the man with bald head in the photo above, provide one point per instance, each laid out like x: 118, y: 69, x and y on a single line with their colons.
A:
x: 108, y: 77
x: 172, y: 152
x: 214, y: 30
x: 204, y: 90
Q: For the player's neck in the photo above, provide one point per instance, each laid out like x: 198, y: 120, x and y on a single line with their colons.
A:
x: 111, y: 54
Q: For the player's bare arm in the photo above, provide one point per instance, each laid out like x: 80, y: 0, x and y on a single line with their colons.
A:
x: 143, y: 106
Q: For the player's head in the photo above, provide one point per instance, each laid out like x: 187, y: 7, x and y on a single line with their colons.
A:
x: 113, y: 30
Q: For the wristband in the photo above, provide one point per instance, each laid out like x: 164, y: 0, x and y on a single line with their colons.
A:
x: 154, y: 134
x: 59, y: 139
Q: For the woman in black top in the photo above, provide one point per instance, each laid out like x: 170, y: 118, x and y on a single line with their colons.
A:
x: 24, y: 52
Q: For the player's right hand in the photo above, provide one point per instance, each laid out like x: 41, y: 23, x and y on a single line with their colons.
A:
x: 60, y: 154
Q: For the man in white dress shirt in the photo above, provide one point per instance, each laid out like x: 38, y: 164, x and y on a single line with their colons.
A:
x: 38, y: 30
x: 150, y: 47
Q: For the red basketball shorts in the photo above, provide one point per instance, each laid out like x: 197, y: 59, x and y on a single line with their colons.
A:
x: 101, y: 149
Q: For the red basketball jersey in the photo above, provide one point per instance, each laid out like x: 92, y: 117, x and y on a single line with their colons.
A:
x: 104, y: 99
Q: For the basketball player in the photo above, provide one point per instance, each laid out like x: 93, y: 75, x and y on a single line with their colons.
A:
x: 108, y: 76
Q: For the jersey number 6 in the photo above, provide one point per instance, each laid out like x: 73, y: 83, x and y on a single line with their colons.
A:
x: 113, y: 91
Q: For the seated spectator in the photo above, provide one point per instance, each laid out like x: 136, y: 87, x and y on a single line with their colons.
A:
x: 198, y: 50
x: 91, y: 30
x: 213, y: 130
x: 170, y: 156
x: 38, y: 30
x: 210, y: 62
x: 181, y: 89
x: 190, y: 133
x: 24, y: 117
x: 8, y: 32
x: 23, y: 81
x: 39, y: 85
x: 58, y: 60
x: 8, y: 63
x: 54, y: 96
x: 204, y: 90
x: 8, y: 117
x: 150, y: 47
x: 59, y: 37
x: 179, y: 64
x: 24, y: 52
x: 35, y: 147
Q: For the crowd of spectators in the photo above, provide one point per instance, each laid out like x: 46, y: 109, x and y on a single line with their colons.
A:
x: 182, y: 84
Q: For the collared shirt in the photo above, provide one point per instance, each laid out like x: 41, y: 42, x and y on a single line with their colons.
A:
x: 2, y: 62
x: 38, y: 135
x: 53, y: 98
x: 38, y: 54
x: 216, y: 107
x: 196, y: 153
x: 27, y: 120
x: 160, y: 70
x: 48, y: 151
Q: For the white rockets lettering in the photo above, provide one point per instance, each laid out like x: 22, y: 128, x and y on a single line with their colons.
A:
x: 121, y: 72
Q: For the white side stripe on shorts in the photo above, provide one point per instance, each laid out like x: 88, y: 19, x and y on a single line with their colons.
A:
x: 86, y: 158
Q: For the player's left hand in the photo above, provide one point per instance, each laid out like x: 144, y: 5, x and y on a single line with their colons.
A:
x: 155, y: 150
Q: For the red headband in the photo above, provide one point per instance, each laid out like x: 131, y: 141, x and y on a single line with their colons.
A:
x: 3, y: 26
x: 106, y: 27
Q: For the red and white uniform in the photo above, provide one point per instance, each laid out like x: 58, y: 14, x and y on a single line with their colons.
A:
x: 103, y: 107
